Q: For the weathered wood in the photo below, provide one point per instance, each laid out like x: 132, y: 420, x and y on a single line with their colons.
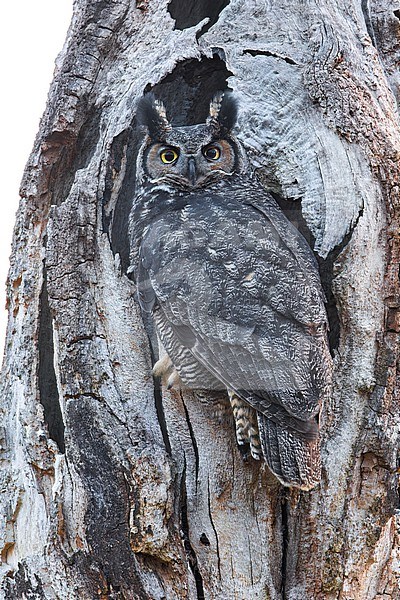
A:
x: 109, y: 491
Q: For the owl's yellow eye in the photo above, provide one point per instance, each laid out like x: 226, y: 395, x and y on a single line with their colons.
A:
x: 168, y: 156
x: 212, y: 152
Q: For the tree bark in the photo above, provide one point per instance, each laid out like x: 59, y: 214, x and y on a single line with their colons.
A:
x: 115, y: 488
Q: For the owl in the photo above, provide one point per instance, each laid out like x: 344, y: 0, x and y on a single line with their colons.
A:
x: 231, y: 286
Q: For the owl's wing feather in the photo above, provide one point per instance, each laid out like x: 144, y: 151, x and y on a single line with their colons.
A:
x: 270, y: 404
x: 146, y: 294
x: 294, y: 241
x: 293, y: 460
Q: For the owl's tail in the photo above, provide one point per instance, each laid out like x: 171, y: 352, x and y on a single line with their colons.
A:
x: 293, y: 459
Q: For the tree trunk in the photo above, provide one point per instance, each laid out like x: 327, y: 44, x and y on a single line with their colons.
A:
x: 115, y: 488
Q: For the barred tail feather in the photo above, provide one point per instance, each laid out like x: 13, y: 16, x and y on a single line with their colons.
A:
x: 294, y: 460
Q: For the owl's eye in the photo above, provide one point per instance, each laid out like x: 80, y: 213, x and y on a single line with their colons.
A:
x: 169, y: 155
x: 212, y: 152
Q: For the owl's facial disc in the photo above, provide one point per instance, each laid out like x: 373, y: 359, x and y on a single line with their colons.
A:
x: 190, y: 166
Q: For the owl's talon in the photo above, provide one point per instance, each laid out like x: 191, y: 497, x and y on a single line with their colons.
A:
x: 173, y: 379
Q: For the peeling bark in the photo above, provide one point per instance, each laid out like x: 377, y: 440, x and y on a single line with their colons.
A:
x: 113, y: 487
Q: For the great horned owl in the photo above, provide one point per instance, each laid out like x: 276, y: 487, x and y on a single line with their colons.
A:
x: 233, y: 288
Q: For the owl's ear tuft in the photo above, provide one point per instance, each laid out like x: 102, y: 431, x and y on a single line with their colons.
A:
x: 151, y: 114
x: 223, y: 113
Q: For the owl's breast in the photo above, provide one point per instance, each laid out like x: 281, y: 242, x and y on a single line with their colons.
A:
x: 174, y: 251
x: 216, y: 253
x: 201, y: 258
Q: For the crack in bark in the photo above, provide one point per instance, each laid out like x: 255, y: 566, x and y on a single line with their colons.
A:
x: 326, y: 267
x: 115, y: 216
x: 106, y: 28
x: 47, y: 381
x: 287, y: 60
x: 157, y: 386
x: 190, y: 553
x: 101, y: 400
x: 68, y: 274
x: 81, y: 338
x: 94, y: 56
x: 79, y: 395
x: 251, y: 562
x: 161, y: 415
x: 192, y: 437
x: 366, y: 10
x: 77, y: 76
x: 213, y: 526
x: 285, y: 542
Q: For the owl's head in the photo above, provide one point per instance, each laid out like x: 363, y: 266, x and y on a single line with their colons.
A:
x: 193, y: 156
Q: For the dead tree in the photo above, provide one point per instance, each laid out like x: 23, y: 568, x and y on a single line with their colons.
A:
x: 115, y: 488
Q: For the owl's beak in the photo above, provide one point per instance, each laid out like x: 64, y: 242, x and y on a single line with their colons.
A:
x: 192, y: 170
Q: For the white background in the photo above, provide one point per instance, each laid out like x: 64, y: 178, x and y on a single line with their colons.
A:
x: 33, y: 33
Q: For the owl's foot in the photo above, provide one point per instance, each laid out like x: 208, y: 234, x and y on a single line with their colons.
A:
x: 165, y: 369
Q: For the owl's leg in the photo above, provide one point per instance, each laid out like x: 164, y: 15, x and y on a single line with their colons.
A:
x: 246, y: 425
x: 165, y: 369
x: 239, y: 414
x: 254, y: 436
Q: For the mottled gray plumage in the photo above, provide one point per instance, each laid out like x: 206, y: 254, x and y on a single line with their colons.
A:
x: 232, y: 286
